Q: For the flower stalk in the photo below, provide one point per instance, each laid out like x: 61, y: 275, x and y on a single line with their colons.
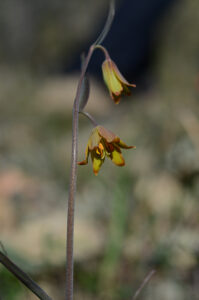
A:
x: 106, y: 144
x: 89, y: 117
x: 73, y: 181
x: 106, y: 54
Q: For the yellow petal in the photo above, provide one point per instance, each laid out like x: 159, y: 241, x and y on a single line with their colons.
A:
x: 110, y: 78
x: 96, y: 164
x: 117, y: 158
x: 94, y: 139
x: 115, y: 86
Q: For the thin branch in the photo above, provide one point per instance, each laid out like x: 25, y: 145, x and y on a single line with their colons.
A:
x: 3, y: 248
x: 107, y: 56
x: 145, y: 281
x: 86, y: 114
x: 107, y: 25
x: 73, y: 183
x: 23, y: 277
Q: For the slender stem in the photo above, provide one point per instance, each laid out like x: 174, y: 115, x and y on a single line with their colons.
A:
x: 86, y: 114
x: 145, y: 281
x: 3, y: 248
x: 104, y: 50
x: 23, y: 277
x: 72, y: 186
x: 73, y: 171
x: 108, y: 23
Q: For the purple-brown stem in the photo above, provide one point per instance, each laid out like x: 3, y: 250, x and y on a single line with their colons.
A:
x: 91, y: 119
x: 107, y: 56
x: 73, y: 170
x: 22, y: 276
x: 72, y: 186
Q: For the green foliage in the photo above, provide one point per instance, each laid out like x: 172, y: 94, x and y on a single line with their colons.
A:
x: 10, y: 288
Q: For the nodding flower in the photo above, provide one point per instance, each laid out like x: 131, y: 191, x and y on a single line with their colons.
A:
x: 116, y: 83
x: 102, y: 142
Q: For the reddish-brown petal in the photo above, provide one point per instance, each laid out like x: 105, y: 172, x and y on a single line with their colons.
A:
x: 123, y: 145
x: 120, y: 76
x: 116, y: 98
x: 84, y: 162
x: 126, y: 90
x: 108, y: 135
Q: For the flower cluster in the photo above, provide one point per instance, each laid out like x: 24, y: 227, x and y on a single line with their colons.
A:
x: 102, y: 142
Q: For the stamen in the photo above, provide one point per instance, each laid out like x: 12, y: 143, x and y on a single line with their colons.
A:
x: 100, y: 150
x: 101, y: 147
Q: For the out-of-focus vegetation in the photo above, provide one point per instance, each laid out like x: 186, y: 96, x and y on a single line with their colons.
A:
x: 42, y: 35
x: 128, y: 220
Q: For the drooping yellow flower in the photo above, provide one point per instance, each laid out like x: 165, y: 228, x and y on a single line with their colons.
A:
x: 114, y: 80
x: 102, y: 143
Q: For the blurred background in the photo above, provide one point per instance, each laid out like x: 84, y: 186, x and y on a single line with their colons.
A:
x: 128, y: 220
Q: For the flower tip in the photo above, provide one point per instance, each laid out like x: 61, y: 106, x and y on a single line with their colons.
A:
x: 117, y: 101
x: 130, y: 147
x: 84, y: 162
x: 116, y: 98
x: 121, y: 164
